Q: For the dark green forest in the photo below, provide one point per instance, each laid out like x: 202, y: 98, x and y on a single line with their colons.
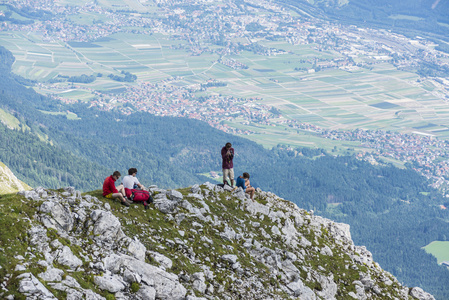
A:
x: 392, y: 211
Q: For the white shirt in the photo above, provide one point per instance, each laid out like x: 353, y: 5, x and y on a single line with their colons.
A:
x: 129, y: 181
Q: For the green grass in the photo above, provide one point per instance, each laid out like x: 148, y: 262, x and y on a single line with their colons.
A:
x: 14, y: 212
x: 439, y: 249
x: 405, y: 17
x: 9, y: 119
x: 69, y: 115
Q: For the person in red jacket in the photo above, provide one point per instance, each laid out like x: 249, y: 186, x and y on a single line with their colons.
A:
x: 111, y: 192
x: 227, y: 154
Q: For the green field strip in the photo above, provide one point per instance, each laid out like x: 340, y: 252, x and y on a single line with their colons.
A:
x: 307, y: 101
x: 333, y: 80
x: 285, y: 79
x: 331, y: 113
x: 221, y: 68
x: 441, y: 113
x: 10, y: 44
x: 106, y: 56
x: 268, y: 85
x: 439, y: 249
x: 48, y: 65
x: 75, y: 93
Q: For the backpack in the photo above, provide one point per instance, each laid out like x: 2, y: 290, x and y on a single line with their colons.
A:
x: 141, y: 196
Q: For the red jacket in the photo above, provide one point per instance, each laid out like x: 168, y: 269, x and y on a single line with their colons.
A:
x: 227, y: 159
x: 109, y: 186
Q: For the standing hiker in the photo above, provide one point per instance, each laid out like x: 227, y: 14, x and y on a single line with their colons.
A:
x: 227, y: 154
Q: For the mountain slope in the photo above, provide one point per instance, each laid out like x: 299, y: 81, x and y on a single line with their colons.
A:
x: 411, y: 18
x: 53, y: 151
x: 196, y: 242
x: 9, y: 182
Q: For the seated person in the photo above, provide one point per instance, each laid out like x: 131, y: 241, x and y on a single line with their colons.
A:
x: 243, y: 182
x: 111, y: 192
x: 131, y: 182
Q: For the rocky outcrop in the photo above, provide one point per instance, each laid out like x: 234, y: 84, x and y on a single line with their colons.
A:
x: 197, y: 243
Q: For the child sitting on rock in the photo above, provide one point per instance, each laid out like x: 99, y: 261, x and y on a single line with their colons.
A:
x: 243, y: 182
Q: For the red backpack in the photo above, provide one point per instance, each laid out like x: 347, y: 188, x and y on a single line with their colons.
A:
x: 140, y: 196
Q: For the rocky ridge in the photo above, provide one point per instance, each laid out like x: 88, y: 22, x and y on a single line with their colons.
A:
x: 202, y: 242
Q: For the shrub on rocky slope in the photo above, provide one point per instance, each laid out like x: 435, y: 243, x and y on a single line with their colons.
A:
x: 201, y: 242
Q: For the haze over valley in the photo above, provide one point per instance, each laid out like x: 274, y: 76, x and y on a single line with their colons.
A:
x: 338, y: 106
x: 274, y: 74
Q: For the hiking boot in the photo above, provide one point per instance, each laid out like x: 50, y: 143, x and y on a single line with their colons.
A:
x: 125, y: 203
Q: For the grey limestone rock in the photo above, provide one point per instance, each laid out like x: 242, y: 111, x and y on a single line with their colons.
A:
x: 39, y: 238
x: 255, y: 208
x: 195, y: 189
x: 52, y: 274
x: 146, y: 293
x: 199, y: 282
x: 298, y: 289
x: 110, y: 282
x: 165, y: 205
x: 166, y: 284
x: 419, y: 293
x: 289, y: 233
x: 131, y: 277
x: 33, y: 195
x: 239, y: 194
x: 228, y: 234
x: 165, y: 262
x: 31, y: 286
x: 275, y: 230
x: 227, y: 188
x: 137, y: 249
x: 179, y: 218
x: 174, y: 195
x: 57, y: 215
x: 231, y: 258
x: 328, y: 286
x: 66, y: 257
x: 196, y: 196
x: 107, y: 227
x: 326, y: 251
x: 210, y: 186
x: 190, y: 297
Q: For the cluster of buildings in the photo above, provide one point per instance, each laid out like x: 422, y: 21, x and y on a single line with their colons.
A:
x: 175, y: 101
x: 426, y: 154
x: 227, y: 28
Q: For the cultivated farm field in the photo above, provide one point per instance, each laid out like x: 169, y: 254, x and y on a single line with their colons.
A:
x: 378, y: 97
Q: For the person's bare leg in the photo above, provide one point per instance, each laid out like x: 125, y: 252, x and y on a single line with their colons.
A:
x: 121, y: 190
x: 232, y: 182
x: 118, y: 196
x: 250, y: 190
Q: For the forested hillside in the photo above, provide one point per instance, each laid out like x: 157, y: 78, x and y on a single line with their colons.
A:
x: 394, y: 212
